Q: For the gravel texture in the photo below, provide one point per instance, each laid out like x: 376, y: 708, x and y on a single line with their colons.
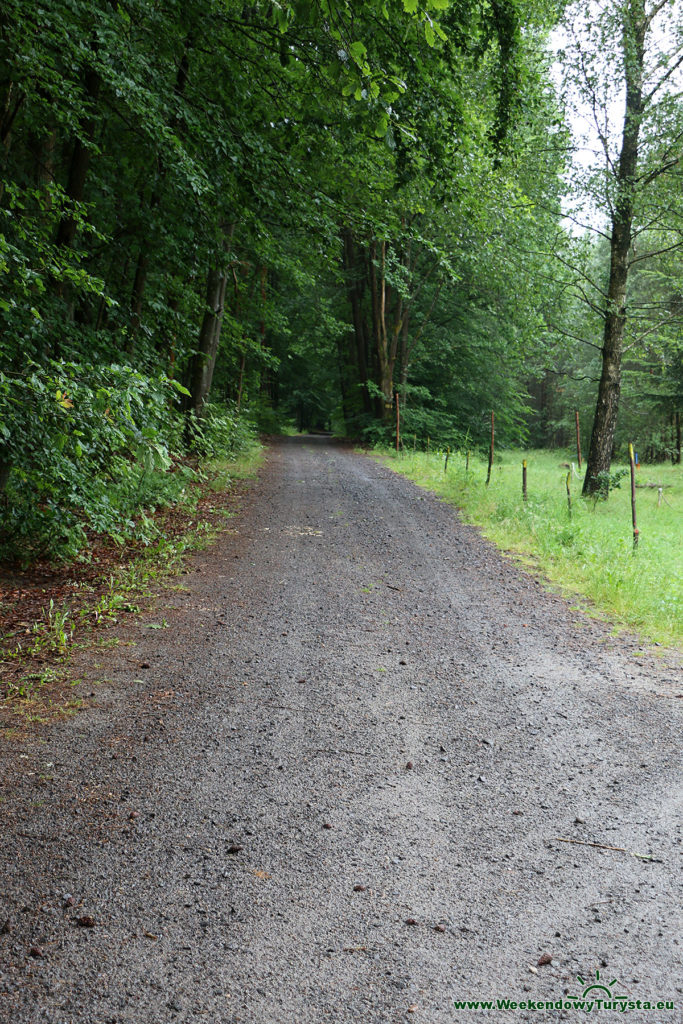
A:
x: 334, y: 788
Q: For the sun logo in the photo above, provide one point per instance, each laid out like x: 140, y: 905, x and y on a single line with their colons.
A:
x: 595, y: 987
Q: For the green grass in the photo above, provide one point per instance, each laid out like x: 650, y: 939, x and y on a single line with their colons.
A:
x: 588, y: 554
x: 242, y: 466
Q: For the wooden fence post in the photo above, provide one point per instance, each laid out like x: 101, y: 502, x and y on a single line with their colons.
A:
x: 445, y: 465
x: 493, y: 434
x: 578, y: 438
x: 524, y: 494
x: 467, y: 461
x: 569, y: 492
x: 632, y: 462
x: 398, y: 414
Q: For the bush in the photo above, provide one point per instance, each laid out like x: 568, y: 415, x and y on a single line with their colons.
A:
x: 219, y: 431
x: 82, y: 447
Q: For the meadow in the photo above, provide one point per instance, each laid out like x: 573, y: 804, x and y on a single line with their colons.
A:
x: 587, y: 551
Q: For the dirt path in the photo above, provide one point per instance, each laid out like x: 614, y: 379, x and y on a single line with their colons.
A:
x: 361, y: 717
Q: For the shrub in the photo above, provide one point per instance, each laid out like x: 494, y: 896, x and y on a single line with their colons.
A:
x: 81, y: 447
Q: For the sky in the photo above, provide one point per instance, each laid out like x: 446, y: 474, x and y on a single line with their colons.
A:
x: 588, y: 55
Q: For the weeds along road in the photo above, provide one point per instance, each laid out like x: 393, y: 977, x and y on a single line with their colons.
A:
x: 335, y: 788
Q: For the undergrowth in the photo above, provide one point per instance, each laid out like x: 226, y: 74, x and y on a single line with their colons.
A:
x: 90, y: 615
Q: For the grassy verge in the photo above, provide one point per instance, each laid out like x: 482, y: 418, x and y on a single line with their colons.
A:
x: 85, y: 605
x: 588, y: 552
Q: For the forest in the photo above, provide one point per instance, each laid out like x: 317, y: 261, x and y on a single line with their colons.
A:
x: 218, y: 218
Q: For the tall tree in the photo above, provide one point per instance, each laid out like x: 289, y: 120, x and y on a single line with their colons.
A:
x: 643, y: 41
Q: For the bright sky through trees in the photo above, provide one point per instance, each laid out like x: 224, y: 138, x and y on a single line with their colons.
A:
x: 589, y: 79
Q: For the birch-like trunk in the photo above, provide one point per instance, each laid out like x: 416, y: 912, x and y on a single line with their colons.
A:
x: 607, y: 407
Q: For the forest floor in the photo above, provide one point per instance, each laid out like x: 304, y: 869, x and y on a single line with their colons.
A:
x: 371, y: 769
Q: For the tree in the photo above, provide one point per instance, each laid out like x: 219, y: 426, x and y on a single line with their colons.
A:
x: 643, y: 40
x: 297, y: 214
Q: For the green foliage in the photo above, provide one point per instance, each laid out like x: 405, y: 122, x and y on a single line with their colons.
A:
x: 608, y: 481
x: 86, y: 448
x: 220, y: 431
x: 138, y: 165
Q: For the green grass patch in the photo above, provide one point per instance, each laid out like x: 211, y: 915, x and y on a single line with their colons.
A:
x: 590, y: 552
x: 243, y: 466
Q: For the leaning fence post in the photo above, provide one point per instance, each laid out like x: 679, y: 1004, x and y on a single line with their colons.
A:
x: 445, y: 465
x: 467, y: 461
x: 524, y: 494
x: 632, y: 462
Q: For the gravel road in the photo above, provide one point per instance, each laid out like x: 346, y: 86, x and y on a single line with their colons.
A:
x: 356, y: 780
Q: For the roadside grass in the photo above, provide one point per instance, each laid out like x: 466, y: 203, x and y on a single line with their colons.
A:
x: 35, y: 684
x: 589, y: 552
x: 222, y: 472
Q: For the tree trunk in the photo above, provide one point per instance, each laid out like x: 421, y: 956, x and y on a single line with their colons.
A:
x: 240, y: 386
x: 204, y: 360
x: 405, y: 363
x: 5, y: 469
x: 142, y: 267
x: 139, y: 282
x: 385, y: 363
x: 604, y: 424
x: 42, y: 149
x: 10, y: 107
x: 355, y: 286
x: 80, y: 159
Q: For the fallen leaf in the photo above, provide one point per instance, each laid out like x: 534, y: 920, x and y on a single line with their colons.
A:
x: 359, y: 888
x: 545, y: 959
x: 234, y: 848
x: 411, y: 920
x: 439, y: 927
x: 409, y: 765
x: 86, y: 921
x: 260, y: 874
x: 36, y: 952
